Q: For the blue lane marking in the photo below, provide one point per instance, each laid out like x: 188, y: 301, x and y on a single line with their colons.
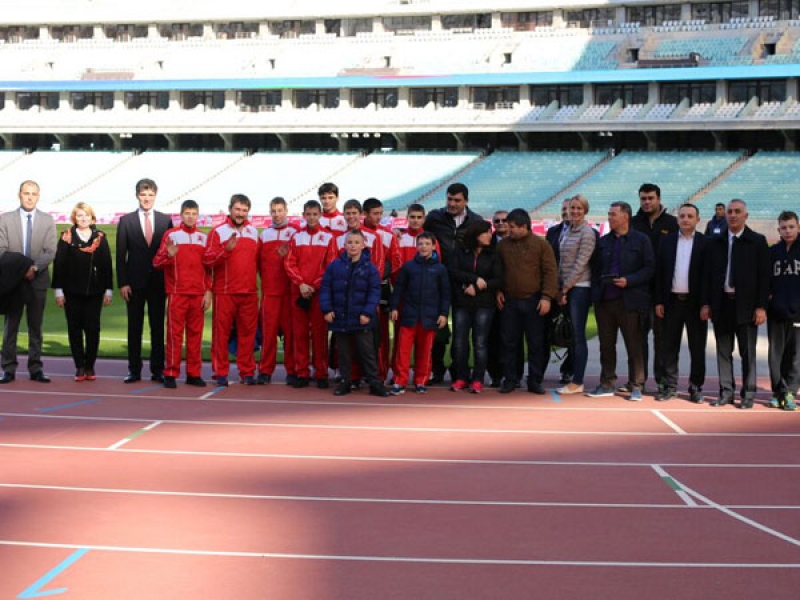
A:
x: 55, y: 408
x: 148, y: 389
x: 217, y: 389
x: 35, y: 590
x: 556, y: 397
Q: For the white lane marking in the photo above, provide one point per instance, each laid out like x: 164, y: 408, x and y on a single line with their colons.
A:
x: 386, y: 428
x: 134, y: 435
x: 674, y: 486
x: 404, y: 559
x: 400, y: 459
x: 670, y: 423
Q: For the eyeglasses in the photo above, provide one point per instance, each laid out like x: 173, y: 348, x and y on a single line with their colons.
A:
x: 498, y: 221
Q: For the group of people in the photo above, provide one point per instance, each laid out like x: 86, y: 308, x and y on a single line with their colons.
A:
x: 347, y: 274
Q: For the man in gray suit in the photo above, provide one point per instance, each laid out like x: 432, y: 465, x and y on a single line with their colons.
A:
x: 31, y: 232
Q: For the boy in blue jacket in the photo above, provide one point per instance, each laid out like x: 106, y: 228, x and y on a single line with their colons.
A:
x: 783, y: 314
x: 348, y: 297
x: 422, y: 294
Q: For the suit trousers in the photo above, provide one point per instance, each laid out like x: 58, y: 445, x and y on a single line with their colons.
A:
x: 726, y: 330
x: 155, y: 298
x: 784, y: 356
x: 33, y: 306
x: 83, y: 327
x: 682, y: 313
x: 613, y: 317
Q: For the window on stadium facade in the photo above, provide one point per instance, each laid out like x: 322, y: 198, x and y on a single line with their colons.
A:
x: 352, y: 27
x: 719, y: 12
x: 475, y: 21
x: 782, y: 10
x: 71, y: 33
x: 38, y: 100
x: 16, y: 34
x: 526, y: 21
x: 378, y: 98
x: 93, y: 100
x: 765, y: 90
x: 209, y: 99
x: 291, y: 29
x: 437, y: 97
x: 181, y: 31
x: 257, y: 100
x: 408, y: 24
x: 589, y: 17
x: 491, y: 98
x: 125, y: 33
x: 236, y: 30
x: 565, y: 95
x: 650, y: 16
x: 153, y: 100
x: 629, y: 93
x: 316, y: 98
x: 696, y: 91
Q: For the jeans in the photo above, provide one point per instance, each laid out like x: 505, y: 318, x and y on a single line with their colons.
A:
x: 578, y: 302
x: 479, y: 322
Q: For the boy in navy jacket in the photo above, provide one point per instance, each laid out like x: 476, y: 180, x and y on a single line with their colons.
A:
x: 783, y: 314
x: 420, y: 304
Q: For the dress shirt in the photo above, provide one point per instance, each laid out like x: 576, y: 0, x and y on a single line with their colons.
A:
x: 683, y: 257
x: 23, y: 219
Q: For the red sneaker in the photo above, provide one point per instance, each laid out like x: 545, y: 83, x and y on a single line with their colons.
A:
x: 458, y: 385
x: 476, y: 387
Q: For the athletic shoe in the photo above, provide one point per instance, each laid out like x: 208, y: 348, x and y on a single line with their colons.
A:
x: 80, y: 375
x: 263, y: 379
x: 170, y: 383
x: 291, y: 380
x: 476, y: 387
x: 636, y: 395
x: 774, y: 402
x: 322, y: 384
x: 666, y: 394
x: 90, y: 376
x: 571, y: 388
x: 420, y: 389
x: 396, y: 390
x: 624, y: 389
x: 222, y: 382
x: 300, y: 382
x: 342, y: 389
x: 601, y: 391
x: 788, y: 402
x: 195, y: 381
x: 458, y: 385
x: 249, y: 380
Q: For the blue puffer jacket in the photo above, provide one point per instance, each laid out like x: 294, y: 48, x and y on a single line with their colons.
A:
x: 423, y: 290
x: 350, y: 289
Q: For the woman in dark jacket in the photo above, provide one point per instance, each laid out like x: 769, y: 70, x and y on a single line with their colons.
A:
x: 348, y: 297
x: 476, y: 273
x: 83, y: 285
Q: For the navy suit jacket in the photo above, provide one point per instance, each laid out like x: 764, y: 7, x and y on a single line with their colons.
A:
x: 134, y: 256
x: 665, y: 269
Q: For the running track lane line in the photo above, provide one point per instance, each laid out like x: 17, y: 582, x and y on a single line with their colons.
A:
x: 402, y: 559
x: 670, y: 423
x: 134, y: 435
x: 687, y: 499
x: 738, y: 517
x: 71, y: 405
x: 35, y: 589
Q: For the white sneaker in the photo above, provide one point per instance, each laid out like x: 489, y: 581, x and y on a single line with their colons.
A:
x: 571, y: 388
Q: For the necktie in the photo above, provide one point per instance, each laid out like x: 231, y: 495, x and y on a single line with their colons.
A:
x: 731, y: 275
x: 28, y: 236
x: 148, y: 228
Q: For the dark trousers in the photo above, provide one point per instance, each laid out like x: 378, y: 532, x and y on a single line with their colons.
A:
x: 439, y: 350
x: 522, y: 315
x: 478, y: 322
x: 83, y: 327
x: 726, y: 329
x: 679, y: 314
x: 613, y: 317
x: 498, y: 354
x: 155, y: 298
x: 362, y: 344
x: 651, y: 322
x: 33, y: 306
x: 784, y: 356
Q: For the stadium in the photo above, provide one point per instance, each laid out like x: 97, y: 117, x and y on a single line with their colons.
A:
x: 525, y: 102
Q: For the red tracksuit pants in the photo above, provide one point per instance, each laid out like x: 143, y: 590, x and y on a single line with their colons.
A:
x: 241, y: 309
x: 184, y: 314
x: 310, y: 336
x: 276, y: 317
x: 422, y: 341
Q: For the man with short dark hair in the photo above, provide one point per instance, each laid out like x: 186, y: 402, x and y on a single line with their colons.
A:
x: 331, y: 218
x: 622, y: 299
x: 717, y: 225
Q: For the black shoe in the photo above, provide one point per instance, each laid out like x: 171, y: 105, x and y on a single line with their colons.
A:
x: 666, y: 394
x: 170, y: 383
x: 195, y: 381
x: 322, y: 384
x: 378, y: 390
x: 536, y: 388
x: 132, y: 378
x: 722, y: 401
x: 263, y: 379
x: 291, y: 380
x: 40, y: 377
x: 249, y: 380
x: 342, y: 389
x: 696, y: 395
x: 300, y: 382
x: 496, y: 383
x: 7, y: 377
x: 157, y: 377
x: 746, y: 403
x: 508, y: 387
x: 355, y: 384
x: 436, y: 379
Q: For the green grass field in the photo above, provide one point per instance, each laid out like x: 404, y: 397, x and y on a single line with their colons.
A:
x: 113, y: 337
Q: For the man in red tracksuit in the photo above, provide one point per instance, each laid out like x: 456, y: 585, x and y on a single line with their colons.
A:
x: 392, y: 261
x: 415, y: 215
x: 188, y: 286
x: 331, y: 218
x: 311, y: 250
x: 276, y: 314
x: 232, y: 253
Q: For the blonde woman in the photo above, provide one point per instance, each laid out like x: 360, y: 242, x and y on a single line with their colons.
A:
x: 82, y: 278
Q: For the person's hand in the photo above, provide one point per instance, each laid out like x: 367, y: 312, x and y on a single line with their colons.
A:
x: 206, y: 304
x: 30, y: 274
x: 543, y: 306
x: 441, y: 322
x: 481, y: 283
x: 705, y: 312
x: 107, y: 300
x: 282, y: 250
x: 660, y: 311
x: 306, y: 291
x: 470, y: 290
x: 562, y: 298
x: 125, y: 291
x: 172, y: 247
x: 393, y: 315
x: 60, y: 301
x: 620, y: 282
x: 234, y: 239
x: 759, y: 317
x: 500, y: 300
x: 329, y: 317
x: 364, y: 320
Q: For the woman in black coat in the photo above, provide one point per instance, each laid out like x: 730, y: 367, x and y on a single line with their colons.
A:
x: 82, y: 278
x: 476, y: 273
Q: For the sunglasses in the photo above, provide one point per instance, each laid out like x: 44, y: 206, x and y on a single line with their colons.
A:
x: 498, y: 221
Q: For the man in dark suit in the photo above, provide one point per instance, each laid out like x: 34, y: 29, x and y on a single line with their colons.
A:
x: 31, y: 232
x: 735, y: 293
x: 138, y: 238
x: 679, y: 279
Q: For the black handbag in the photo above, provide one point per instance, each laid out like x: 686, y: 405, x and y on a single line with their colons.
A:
x: 560, y: 330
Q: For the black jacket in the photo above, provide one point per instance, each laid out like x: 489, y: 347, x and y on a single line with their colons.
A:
x: 443, y: 226
x: 665, y: 269
x: 13, y: 291
x: 134, y: 256
x: 636, y: 263
x: 83, y: 267
x: 465, y: 270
